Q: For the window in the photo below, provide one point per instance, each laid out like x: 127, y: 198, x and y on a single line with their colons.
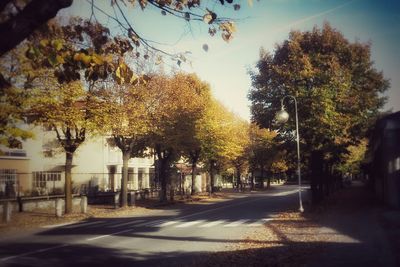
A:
x: 8, y: 176
x: 15, y: 153
x: 141, y: 178
x: 130, y: 174
x: 40, y: 179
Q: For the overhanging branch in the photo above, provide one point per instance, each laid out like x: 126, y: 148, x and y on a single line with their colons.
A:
x: 35, y: 14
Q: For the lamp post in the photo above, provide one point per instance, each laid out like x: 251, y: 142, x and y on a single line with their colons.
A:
x: 282, y: 116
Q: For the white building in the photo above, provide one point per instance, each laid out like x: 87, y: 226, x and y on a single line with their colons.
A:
x: 38, y: 167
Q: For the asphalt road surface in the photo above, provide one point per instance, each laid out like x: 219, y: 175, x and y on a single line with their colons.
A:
x: 171, y: 237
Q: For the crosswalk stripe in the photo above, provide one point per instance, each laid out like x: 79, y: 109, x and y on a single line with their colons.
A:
x: 164, y: 223
x: 187, y: 224
x: 83, y: 224
x: 210, y: 224
x: 125, y: 223
x: 167, y: 223
x: 267, y: 219
x: 256, y: 224
x: 236, y: 223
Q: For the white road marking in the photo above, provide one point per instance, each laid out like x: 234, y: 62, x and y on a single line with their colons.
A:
x: 285, y: 193
x: 211, y: 224
x: 268, y: 219
x: 125, y: 223
x: 168, y: 223
x: 187, y: 224
x: 236, y: 223
x: 232, y: 205
x: 102, y: 236
x: 57, y: 225
x: 255, y: 224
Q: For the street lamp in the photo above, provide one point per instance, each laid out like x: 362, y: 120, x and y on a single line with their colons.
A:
x: 282, y: 117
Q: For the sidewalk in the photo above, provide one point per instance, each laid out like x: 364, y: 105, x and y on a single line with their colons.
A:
x: 349, y: 229
x: 361, y: 232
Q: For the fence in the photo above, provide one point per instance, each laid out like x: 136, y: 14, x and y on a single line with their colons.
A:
x: 42, y: 183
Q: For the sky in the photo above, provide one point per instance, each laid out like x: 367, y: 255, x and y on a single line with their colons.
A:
x: 264, y: 24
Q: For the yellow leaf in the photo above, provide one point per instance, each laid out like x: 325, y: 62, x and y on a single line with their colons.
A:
x: 134, y: 78
x: 60, y: 59
x: 85, y: 59
x: 207, y: 18
x: 58, y: 44
x: 118, y: 74
x: 97, y: 59
x: 44, y: 42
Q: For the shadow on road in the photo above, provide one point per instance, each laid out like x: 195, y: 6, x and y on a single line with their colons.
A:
x: 350, y: 231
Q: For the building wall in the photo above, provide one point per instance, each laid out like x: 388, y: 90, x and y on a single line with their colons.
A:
x: 92, y: 163
x: 22, y: 177
x: 384, y: 168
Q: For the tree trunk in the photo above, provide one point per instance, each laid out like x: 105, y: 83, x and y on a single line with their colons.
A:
x: 124, y: 180
x: 211, y: 178
x: 238, y: 180
x: 163, y: 180
x: 193, y: 178
x: 316, y: 167
x: 182, y: 185
x: 269, y: 181
x: 262, y: 176
x: 68, y: 181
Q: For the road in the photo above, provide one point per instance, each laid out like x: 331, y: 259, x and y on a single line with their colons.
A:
x: 170, y: 237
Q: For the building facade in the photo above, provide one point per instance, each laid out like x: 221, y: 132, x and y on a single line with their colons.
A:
x: 383, y: 160
x: 38, y: 167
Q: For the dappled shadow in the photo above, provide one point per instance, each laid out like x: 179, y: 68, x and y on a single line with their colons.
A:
x: 54, y: 254
x: 348, y: 228
x: 345, y: 233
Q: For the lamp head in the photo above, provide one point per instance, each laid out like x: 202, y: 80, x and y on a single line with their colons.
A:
x: 282, y: 116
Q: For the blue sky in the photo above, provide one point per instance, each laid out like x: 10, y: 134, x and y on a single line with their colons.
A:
x: 265, y: 24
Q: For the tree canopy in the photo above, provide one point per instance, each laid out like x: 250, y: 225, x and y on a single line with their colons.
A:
x: 338, y: 89
x: 19, y: 19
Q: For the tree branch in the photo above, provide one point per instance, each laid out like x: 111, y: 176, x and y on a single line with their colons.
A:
x: 3, y: 4
x: 35, y: 14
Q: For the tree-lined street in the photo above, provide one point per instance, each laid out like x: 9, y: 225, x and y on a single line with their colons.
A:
x: 113, y: 125
x: 161, y: 238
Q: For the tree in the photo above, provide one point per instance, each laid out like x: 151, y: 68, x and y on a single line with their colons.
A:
x: 177, y: 102
x: 13, y: 102
x: 190, y: 140
x: 125, y: 116
x: 352, y: 160
x: 67, y: 64
x: 213, y: 133
x: 279, y: 166
x: 237, y: 147
x: 263, y: 150
x: 19, y: 19
x: 68, y: 110
x: 335, y: 83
